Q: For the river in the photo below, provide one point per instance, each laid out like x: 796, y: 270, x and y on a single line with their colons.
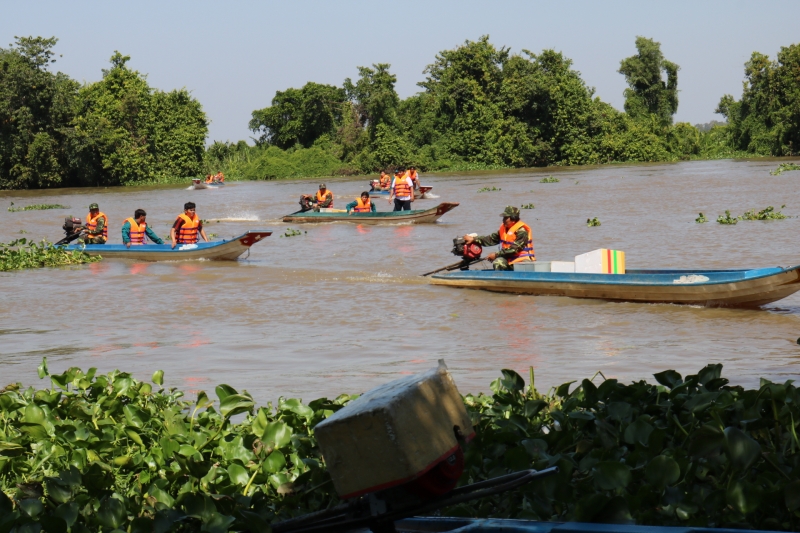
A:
x: 342, y: 307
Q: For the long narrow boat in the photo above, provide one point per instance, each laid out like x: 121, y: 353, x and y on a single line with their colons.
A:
x: 432, y: 524
x: 710, y: 288
x: 422, y: 191
x: 224, y: 250
x: 419, y: 216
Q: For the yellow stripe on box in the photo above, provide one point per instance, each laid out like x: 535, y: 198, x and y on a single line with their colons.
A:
x: 613, y: 261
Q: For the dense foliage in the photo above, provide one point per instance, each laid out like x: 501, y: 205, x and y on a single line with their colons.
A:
x: 109, y: 452
x: 23, y: 253
x: 117, y: 131
x: 766, y: 121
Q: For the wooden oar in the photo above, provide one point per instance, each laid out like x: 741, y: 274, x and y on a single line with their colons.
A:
x: 460, y: 264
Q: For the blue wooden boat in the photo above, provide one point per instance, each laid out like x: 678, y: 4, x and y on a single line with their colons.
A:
x: 224, y: 250
x: 493, y: 525
x: 710, y: 288
x: 415, y: 216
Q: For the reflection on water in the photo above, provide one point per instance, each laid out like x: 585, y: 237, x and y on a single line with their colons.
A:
x: 342, y: 308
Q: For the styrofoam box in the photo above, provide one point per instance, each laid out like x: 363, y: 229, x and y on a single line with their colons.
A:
x: 600, y: 262
x: 545, y: 266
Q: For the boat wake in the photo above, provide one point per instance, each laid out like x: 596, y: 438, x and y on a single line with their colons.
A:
x: 430, y: 195
x: 244, y: 218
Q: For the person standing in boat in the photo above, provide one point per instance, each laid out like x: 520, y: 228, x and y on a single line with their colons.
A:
x: 187, y: 226
x: 412, y: 173
x: 402, y: 191
x: 361, y: 205
x: 96, y: 226
x: 515, y: 239
x: 135, y: 229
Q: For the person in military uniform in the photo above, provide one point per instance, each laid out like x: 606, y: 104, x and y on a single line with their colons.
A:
x: 514, y: 237
x: 96, y: 226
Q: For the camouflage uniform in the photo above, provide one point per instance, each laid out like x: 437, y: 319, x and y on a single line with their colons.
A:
x: 503, y: 254
x: 96, y: 237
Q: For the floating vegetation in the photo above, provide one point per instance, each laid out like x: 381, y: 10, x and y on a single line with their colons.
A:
x: 550, y: 179
x: 591, y: 222
x: 36, y: 207
x: 23, y: 253
x: 701, y: 219
x: 527, y: 206
x: 765, y: 214
x: 290, y: 232
x: 96, y: 443
x: 489, y: 189
x: 212, y: 235
x: 22, y: 231
x: 727, y: 219
x: 784, y: 168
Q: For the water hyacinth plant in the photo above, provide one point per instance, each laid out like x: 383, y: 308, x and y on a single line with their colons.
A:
x: 290, y: 232
x: 108, y: 452
x: 23, y: 253
x: 549, y: 179
x: 784, y: 167
x: 701, y: 219
x: 489, y: 189
x: 727, y: 219
x: 768, y: 213
x: 36, y: 207
x: 527, y: 206
x: 591, y: 222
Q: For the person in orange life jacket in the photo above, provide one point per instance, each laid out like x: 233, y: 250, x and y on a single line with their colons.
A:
x: 323, y: 198
x: 219, y: 177
x: 135, y: 229
x: 209, y: 179
x: 187, y: 226
x: 412, y: 173
x: 402, y: 191
x: 385, y: 181
x: 96, y: 226
x: 361, y: 205
x: 515, y: 239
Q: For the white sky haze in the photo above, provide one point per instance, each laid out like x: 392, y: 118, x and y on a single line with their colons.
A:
x: 234, y: 55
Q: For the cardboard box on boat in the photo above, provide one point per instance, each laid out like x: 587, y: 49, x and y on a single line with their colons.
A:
x: 545, y: 266
x: 393, y: 433
x: 602, y: 261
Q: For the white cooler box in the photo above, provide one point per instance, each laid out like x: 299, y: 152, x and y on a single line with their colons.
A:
x: 545, y: 266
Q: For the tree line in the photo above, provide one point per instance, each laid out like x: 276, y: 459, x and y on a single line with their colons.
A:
x: 480, y: 106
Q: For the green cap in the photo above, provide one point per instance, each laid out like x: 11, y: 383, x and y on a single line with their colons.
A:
x: 322, y: 186
x: 93, y: 206
x: 510, y: 211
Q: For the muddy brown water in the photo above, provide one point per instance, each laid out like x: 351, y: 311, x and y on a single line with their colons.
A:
x: 342, y: 308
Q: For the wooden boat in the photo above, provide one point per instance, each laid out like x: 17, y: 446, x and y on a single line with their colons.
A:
x: 418, y: 216
x: 431, y: 524
x: 710, y: 288
x: 198, y: 184
x: 224, y: 250
x: 378, y: 193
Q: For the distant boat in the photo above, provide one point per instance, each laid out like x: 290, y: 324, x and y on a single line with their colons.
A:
x: 710, y: 288
x: 224, y: 250
x: 419, y: 216
x: 198, y: 184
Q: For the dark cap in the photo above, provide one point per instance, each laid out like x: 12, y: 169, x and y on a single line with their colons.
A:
x: 510, y: 211
x: 322, y: 186
x: 399, y: 170
x: 93, y: 206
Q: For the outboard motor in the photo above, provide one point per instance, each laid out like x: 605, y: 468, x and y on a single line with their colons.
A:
x: 72, y: 230
x: 396, y: 452
x: 305, y: 203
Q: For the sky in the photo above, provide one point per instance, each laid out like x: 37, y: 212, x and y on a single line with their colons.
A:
x: 233, y: 56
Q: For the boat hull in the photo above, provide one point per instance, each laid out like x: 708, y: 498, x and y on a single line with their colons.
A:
x: 225, y: 250
x: 721, y: 288
x: 420, y: 216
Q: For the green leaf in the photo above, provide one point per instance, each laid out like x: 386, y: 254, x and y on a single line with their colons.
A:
x: 274, y: 463
x: 112, y: 513
x: 511, y: 380
x: 218, y: 523
x: 11, y: 449
x: 42, y: 368
x: 198, y: 506
x: 53, y: 524
x: 187, y: 451
x: 791, y: 494
x: 296, y: 407
x: 160, y: 495
x: 134, y: 436
x: 68, y: 512
x: 235, y: 404
x: 743, y: 496
x: 743, y: 451
x: 135, y: 417
x: 31, y: 507
x: 619, y: 411
x: 57, y: 492
x: 238, y: 474
x: 158, y: 377
x: 277, y: 435
x: 223, y: 391
x: 638, y: 431
x: 669, y: 378
x: 706, y: 440
x: 533, y: 407
x: 662, y: 471
x: 610, y: 475
x: 34, y: 414
x: 202, y: 400
x: 61, y: 381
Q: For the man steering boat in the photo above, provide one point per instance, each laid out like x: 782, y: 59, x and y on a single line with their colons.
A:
x: 515, y: 239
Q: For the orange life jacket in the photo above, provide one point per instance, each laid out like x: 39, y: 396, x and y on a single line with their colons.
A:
x: 187, y: 234
x: 137, y: 231
x: 401, y: 187
x: 91, y: 224
x: 220, y: 177
x: 209, y: 179
x: 508, y: 238
x: 385, y: 181
x: 362, y: 207
x: 413, y: 175
x: 321, y: 197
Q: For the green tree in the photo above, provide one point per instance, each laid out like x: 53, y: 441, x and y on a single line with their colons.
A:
x: 36, y: 109
x: 766, y: 120
x: 647, y: 92
x: 374, y: 97
x: 299, y: 116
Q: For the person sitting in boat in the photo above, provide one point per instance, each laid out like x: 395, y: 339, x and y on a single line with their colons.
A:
x: 515, y: 239
x: 96, y: 226
x: 385, y: 181
x: 187, y: 226
x: 412, y: 173
x: 323, y: 199
x: 402, y: 191
x: 219, y: 177
x: 361, y: 205
x: 135, y: 229
x: 209, y: 179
